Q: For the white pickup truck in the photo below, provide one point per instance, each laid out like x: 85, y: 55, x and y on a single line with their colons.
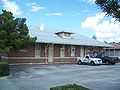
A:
x: 89, y: 60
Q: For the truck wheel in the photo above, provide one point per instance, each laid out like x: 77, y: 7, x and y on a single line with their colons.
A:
x: 112, y: 63
x: 92, y: 63
x: 79, y: 62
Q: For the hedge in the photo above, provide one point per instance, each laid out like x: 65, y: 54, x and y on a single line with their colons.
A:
x: 69, y: 87
x: 4, y: 68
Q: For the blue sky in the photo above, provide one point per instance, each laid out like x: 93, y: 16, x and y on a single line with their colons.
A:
x: 80, y: 16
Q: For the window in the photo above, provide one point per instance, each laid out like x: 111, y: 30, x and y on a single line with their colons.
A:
x: 87, y: 57
x: 23, y: 50
x: 66, y: 35
x: 62, y: 51
x: 37, y: 50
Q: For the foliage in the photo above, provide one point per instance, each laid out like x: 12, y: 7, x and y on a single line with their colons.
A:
x: 69, y: 87
x: 4, y: 68
x: 110, y: 7
x: 13, y: 32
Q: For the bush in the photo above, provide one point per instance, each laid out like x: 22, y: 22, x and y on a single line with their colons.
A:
x: 69, y: 87
x: 4, y: 68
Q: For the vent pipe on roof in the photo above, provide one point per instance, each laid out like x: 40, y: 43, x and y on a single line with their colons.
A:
x: 94, y: 37
x: 42, y: 27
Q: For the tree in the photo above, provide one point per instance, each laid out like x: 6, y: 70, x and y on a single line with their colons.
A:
x: 110, y: 7
x: 13, y: 32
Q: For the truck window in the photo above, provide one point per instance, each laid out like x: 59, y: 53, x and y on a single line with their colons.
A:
x: 87, y: 57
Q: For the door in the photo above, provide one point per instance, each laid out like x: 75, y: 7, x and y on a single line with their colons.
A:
x: 87, y: 59
x: 37, y: 50
x: 81, y: 51
x: 50, y: 54
x: 72, y: 51
x: 62, y: 51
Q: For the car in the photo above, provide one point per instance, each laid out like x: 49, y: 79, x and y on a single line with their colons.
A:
x: 89, y: 60
x: 107, y: 60
x: 115, y: 58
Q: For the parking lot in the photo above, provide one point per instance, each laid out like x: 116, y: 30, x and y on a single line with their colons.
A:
x: 42, y: 77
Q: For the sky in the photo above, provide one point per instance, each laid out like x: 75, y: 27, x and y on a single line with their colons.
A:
x: 78, y: 16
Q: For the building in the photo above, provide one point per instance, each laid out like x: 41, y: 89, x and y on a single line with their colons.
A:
x: 113, y: 51
x: 54, y: 47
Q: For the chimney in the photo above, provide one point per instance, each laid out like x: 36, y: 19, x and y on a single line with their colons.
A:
x: 42, y: 27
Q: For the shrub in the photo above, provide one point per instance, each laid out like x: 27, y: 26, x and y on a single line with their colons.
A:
x: 4, y: 68
x: 69, y: 87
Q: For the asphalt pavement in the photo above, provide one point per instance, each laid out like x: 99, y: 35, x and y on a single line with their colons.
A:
x: 42, y: 77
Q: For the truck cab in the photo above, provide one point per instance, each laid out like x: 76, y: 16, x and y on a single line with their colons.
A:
x: 89, y: 60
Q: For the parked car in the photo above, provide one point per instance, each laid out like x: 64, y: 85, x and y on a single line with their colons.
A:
x: 107, y: 60
x: 89, y: 60
x: 115, y: 58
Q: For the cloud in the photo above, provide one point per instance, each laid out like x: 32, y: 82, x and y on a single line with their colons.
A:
x: 105, y: 30
x: 88, y: 1
x: 56, y: 14
x: 34, y: 7
x: 28, y: 4
x: 53, y: 14
x: 11, y: 6
x: 91, y: 22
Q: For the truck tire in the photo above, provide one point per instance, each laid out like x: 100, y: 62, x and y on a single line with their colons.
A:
x: 79, y: 62
x: 112, y: 63
x: 92, y: 63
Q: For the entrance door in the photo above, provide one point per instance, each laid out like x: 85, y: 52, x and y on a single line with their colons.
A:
x: 50, y: 54
x: 62, y: 51
x: 72, y: 51
x: 37, y: 50
x: 81, y: 51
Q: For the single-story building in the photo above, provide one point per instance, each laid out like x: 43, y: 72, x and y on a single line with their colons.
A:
x: 54, y: 47
x: 113, y: 51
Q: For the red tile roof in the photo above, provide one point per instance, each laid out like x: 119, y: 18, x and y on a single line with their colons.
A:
x: 115, y: 45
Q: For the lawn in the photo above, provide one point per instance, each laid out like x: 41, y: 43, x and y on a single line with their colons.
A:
x: 69, y: 87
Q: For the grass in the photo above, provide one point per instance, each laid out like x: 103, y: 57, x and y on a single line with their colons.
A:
x: 3, y: 62
x: 69, y: 87
x: 4, y: 68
